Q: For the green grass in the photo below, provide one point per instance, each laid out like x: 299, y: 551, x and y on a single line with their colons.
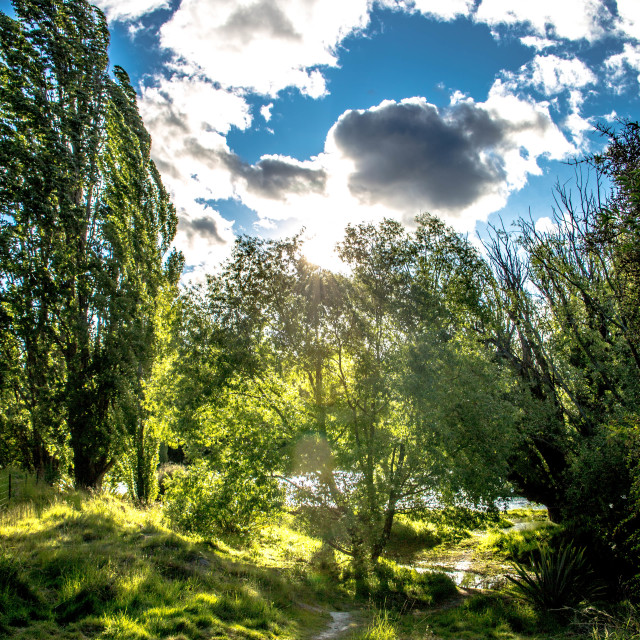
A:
x: 622, y: 623
x: 77, y: 567
x: 382, y: 627
x: 401, y: 588
x: 409, y: 538
x: 517, y: 545
x: 81, y: 567
x: 493, y: 616
x: 484, y: 616
x: 539, y: 515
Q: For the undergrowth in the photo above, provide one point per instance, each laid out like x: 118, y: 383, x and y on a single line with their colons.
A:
x: 484, y: 616
x: 621, y: 623
x: 393, y: 586
x: 518, y: 545
x: 558, y: 579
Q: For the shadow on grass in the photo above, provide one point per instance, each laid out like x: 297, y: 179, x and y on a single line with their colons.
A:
x: 101, y: 567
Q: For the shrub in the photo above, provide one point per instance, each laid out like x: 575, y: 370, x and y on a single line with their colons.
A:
x: 165, y: 472
x: 519, y: 545
x: 411, y: 536
x: 488, y: 615
x: 397, y: 586
x: 205, y: 502
x: 558, y: 579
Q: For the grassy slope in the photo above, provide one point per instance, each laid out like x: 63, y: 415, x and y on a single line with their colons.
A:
x: 97, y: 567
x: 82, y: 567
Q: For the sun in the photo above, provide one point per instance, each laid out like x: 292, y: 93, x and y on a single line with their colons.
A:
x: 319, y: 248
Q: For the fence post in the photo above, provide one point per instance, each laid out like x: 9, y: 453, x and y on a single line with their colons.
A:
x: 9, y: 498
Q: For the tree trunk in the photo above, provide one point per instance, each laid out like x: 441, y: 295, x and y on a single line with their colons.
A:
x: 385, y: 534
x: 361, y: 568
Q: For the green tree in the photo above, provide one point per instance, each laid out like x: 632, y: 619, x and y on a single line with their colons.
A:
x: 429, y: 415
x: 372, y: 403
x: 86, y: 229
x: 566, y: 322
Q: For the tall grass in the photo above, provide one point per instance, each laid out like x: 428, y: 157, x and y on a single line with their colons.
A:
x: 400, y: 588
x: 83, y: 566
x: 623, y: 623
x: 381, y: 628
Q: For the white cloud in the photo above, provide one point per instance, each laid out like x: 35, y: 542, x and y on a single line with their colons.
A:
x: 226, y: 49
x: 629, y: 18
x: 546, y: 225
x: 537, y: 43
x: 130, y: 9
x: 188, y: 119
x: 265, y: 111
x: 533, y: 134
x: 564, y: 79
x: 577, y: 125
x: 402, y: 158
x: 568, y: 19
x: 620, y: 64
x: 444, y: 10
x: 461, y: 163
x: 205, y: 238
x: 133, y: 28
x: 263, y: 45
x: 551, y: 74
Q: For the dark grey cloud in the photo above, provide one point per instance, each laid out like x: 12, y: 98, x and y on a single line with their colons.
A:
x: 412, y: 156
x: 201, y: 227
x: 272, y: 178
x: 264, y: 18
x: 275, y: 178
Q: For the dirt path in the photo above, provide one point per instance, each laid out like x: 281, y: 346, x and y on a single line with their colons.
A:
x: 341, y: 622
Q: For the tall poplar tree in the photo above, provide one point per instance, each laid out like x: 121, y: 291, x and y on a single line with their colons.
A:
x: 85, y: 230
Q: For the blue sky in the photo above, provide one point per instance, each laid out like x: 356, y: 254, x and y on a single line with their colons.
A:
x: 272, y: 115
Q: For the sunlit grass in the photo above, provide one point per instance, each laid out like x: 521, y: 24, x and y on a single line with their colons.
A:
x: 516, y: 544
x: 382, y: 627
x: 83, y: 566
x: 77, y: 567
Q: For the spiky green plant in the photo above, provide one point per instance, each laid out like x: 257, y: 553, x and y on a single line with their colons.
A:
x: 557, y: 579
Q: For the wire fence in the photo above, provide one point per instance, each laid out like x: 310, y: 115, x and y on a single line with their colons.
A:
x: 12, y: 485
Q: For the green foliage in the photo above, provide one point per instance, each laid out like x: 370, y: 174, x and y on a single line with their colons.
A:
x: 365, y: 391
x: 400, y: 587
x: 492, y: 615
x: 454, y: 523
x: 409, y: 537
x: 565, y: 318
x: 206, y: 502
x: 602, y: 483
x: 85, y: 234
x: 520, y: 544
x: 137, y: 467
x: 558, y: 578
